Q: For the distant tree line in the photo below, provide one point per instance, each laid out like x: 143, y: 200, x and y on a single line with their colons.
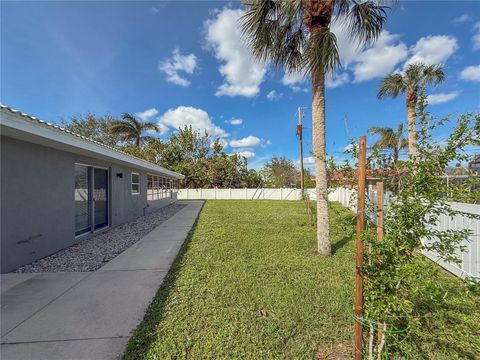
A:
x: 195, y: 154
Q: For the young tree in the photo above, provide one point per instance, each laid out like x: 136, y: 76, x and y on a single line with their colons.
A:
x: 390, y: 139
x: 409, y: 83
x: 130, y: 128
x: 307, y: 179
x: 295, y: 35
x: 279, y: 172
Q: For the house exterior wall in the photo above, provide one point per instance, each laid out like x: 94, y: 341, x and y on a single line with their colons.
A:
x: 37, y: 200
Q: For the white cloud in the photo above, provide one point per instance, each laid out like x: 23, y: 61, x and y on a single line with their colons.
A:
x: 336, y: 80
x: 236, y: 122
x: 186, y: 115
x: 242, y: 74
x: 309, y: 160
x: 348, y: 147
x: 462, y: 18
x: 292, y: 79
x: 297, y: 82
x: 147, y: 115
x: 248, y: 141
x: 154, y: 10
x: 471, y: 73
x: 274, y: 95
x: 246, y: 154
x: 476, y: 36
x: 432, y: 50
x: 178, y: 63
x: 441, y: 98
x: 380, y: 59
x: 348, y: 49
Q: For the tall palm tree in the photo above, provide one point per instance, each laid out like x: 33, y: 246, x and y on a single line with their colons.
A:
x: 130, y: 128
x: 295, y: 35
x: 409, y: 83
x: 390, y: 139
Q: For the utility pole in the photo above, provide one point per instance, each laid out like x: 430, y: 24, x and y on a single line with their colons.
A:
x: 300, y: 136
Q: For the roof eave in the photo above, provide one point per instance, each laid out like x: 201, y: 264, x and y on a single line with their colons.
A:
x: 23, y: 126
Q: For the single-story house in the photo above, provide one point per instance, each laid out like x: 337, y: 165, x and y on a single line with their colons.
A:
x: 58, y: 188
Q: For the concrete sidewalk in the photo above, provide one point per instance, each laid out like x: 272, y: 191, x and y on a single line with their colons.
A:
x: 91, y: 315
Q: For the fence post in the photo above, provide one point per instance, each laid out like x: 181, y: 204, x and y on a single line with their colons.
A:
x: 281, y: 193
x: 215, y: 192
x: 201, y: 193
x: 246, y: 194
x: 380, y: 211
x: 188, y: 195
x: 359, y: 248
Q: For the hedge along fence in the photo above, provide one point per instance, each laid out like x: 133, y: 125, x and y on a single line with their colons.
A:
x: 470, y: 258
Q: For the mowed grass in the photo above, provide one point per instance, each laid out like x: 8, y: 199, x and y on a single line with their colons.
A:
x: 248, y: 285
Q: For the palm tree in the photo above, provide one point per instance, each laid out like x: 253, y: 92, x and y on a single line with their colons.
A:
x: 409, y: 83
x: 130, y: 128
x: 295, y: 35
x: 390, y: 139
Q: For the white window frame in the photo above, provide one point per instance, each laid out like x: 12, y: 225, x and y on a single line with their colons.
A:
x: 135, y: 183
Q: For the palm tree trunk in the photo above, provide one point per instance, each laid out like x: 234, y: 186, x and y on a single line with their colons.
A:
x: 137, y: 141
x: 395, y: 158
x: 412, y: 129
x: 318, y: 139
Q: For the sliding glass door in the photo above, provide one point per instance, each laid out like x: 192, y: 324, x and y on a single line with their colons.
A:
x: 83, y: 217
x: 100, y: 198
x: 91, y: 198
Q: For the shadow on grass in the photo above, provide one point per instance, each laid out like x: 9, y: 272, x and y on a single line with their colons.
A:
x: 144, y: 334
x: 346, y: 228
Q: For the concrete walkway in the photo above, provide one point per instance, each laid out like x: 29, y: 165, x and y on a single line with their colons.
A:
x: 79, y: 316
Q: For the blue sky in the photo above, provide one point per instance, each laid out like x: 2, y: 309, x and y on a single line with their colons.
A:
x: 182, y: 62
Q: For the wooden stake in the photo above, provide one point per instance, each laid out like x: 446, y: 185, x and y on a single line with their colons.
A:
x: 381, y: 336
x: 380, y: 211
x: 300, y: 128
x: 359, y: 247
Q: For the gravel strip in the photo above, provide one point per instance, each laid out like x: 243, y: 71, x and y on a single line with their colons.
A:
x: 91, y: 254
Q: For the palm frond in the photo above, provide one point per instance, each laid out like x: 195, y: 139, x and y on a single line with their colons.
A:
x: 118, y: 127
x: 365, y: 20
x: 389, y: 138
x: 130, y: 118
x: 433, y: 75
x: 321, y: 52
x: 392, y: 85
x: 150, y: 126
x: 274, y: 32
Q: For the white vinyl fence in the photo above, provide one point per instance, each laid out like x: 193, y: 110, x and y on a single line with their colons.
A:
x: 341, y: 195
x: 240, y: 194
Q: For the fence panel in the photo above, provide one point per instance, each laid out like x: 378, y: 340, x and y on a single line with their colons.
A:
x: 240, y: 194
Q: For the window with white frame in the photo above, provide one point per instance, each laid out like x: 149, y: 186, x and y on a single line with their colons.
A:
x: 135, y: 183
x: 158, y: 187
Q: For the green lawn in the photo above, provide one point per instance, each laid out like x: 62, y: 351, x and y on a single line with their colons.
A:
x: 247, y: 285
